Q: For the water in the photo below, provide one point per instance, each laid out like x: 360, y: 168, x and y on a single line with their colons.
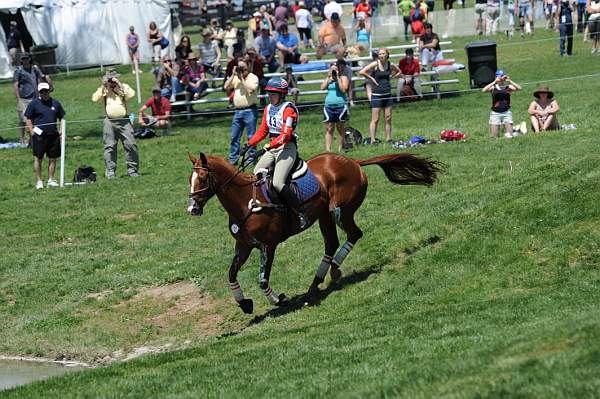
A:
x: 15, y: 372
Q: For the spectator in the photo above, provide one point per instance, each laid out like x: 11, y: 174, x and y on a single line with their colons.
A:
x: 525, y: 11
x: 211, y: 54
x: 492, y: 16
x: 380, y: 73
x: 161, y: 112
x: 239, y: 48
x: 429, y: 46
x: 543, y: 110
x: 154, y: 37
x: 217, y: 32
x: 254, y: 63
x: 409, y: 67
x: 195, y: 77
x: 14, y: 42
x: 25, y: 82
x: 430, y: 5
x: 167, y: 79
x: 287, y: 44
x: 593, y: 9
x: 581, y: 10
x: 183, y: 50
x: 448, y: 4
x: 336, y: 106
x: 114, y: 96
x: 363, y: 33
x: 550, y: 12
x: 267, y: 19
x: 304, y: 23
x: 332, y: 7
x: 346, y: 71
x: 281, y: 15
x: 511, y: 18
x: 480, y: 8
x: 267, y: 47
x: 293, y: 89
x: 42, y: 115
x: 230, y: 37
x: 405, y: 6
x: 133, y: 45
x: 255, y: 24
x: 564, y: 21
x: 363, y: 11
x: 501, y: 88
x: 332, y: 38
x: 244, y: 85
x: 418, y: 16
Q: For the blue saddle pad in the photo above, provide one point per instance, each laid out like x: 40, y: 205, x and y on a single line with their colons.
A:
x: 305, y: 187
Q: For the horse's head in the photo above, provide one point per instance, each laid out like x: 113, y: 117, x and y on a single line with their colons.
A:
x: 202, y: 185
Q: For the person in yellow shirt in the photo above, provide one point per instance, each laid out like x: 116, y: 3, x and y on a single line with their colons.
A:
x: 117, y: 125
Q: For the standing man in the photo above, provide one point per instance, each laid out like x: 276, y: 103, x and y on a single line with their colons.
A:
x: 25, y: 82
x: 244, y: 85
x: 14, y: 42
x: 161, y: 112
x: 42, y: 115
x: 117, y: 125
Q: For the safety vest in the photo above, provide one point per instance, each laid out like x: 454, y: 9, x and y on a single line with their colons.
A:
x: 275, y: 118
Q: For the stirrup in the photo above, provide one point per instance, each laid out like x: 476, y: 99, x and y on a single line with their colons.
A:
x: 303, y: 220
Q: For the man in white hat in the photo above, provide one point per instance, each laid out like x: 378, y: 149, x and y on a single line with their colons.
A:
x: 42, y: 115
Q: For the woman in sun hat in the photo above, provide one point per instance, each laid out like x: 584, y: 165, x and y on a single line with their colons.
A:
x: 543, y: 110
x: 501, y: 88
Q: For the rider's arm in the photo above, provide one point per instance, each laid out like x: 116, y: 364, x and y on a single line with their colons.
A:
x: 290, y: 118
x: 261, y: 132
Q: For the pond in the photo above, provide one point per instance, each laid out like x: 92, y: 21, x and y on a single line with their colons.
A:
x: 18, y: 372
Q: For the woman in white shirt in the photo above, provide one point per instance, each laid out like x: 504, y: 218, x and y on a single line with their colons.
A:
x: 304, y: 23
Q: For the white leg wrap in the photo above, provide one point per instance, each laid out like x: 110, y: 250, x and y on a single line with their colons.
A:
x: 236, y: 290
x: 324, y: 267
x: 342, y: 253
x: 271, y: 295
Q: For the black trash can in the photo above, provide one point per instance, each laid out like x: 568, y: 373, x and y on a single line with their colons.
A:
x: 44, y: 56
x: 482, y: 62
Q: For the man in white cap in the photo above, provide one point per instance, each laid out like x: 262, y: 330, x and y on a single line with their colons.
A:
x: 117, y: 125
x: 42, y: 115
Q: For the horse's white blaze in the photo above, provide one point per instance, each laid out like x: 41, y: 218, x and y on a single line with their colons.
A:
x: 194, y: 179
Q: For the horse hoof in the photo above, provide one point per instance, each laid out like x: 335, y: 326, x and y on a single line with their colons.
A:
x: 282, y: 300
x: 336, y: 274
x: 247, y: 305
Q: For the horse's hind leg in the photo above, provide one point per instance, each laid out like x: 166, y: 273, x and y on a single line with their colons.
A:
x: 329, y: 232
x: 354, y: 233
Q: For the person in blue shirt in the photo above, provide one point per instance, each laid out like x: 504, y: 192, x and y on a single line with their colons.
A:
x: 287, y: 44
x: 42, y: 115
x: 266, y: 47
x: 335, y: 108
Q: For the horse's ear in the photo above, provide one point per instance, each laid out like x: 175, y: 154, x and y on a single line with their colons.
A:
x: 203, y: 160
x: 192, y: 158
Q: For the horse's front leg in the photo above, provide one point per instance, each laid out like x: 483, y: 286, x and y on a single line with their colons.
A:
x: 266, y: 262
x: 242, y: 251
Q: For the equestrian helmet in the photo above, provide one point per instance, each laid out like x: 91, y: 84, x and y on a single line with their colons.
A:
x: 278, y: 85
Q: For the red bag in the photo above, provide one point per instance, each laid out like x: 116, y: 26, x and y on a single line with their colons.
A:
x: 417, y: 27
x: 452, y: 135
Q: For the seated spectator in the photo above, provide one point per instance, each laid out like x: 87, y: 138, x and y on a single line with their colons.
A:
x: 211, y: 54
x: 429, y: 46
x: 281, y: 15
x: 183, y: 50
x: 217, y: 32
x: 239, y: 48
x: 287, y: 44
x: 293, y: 89
x: 195, y: 77
x: 409, y: 66
x: 255, y: 24
x: 543, y: 110
x: 266, y: 19
x: 255, y: 64
x: 167, y: 79
x: 332, y: 38
x: 363, y: 33
x: 266, y: 47
x: 161, y: 112
x: 230, y: 37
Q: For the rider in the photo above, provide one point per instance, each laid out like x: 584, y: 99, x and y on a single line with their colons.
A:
x: 279, y: 121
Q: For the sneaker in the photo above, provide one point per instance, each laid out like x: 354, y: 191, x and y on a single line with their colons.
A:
x: 52, y: 183
x: 508, y: 135
x: 134, y: 174
x: 523, y: 127
x: 111, y: 176
x: 39, y: 185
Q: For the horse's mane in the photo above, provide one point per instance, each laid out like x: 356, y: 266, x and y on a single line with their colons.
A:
x: 222, y: 166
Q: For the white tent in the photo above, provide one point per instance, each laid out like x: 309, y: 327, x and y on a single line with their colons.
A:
x: 89, y: 32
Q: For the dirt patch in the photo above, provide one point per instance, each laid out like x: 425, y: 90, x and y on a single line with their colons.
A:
x: 127, y: 216
x: 128, y: 237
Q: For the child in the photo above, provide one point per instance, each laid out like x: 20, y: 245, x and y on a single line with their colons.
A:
x: 292, y: 84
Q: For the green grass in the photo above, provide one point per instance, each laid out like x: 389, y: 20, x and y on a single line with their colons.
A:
x: 485, y: 285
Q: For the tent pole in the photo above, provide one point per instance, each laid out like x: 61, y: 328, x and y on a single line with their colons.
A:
x: 137, y: 83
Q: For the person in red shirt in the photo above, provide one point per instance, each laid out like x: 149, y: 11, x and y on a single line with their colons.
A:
x: 410, y: 69
x: 161, y: 112
x: 279, y: 122
x: 363, y: 10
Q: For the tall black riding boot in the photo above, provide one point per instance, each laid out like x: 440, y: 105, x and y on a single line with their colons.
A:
x: 293, y: 202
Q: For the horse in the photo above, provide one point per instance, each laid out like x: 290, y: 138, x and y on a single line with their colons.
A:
x: 343, y: 187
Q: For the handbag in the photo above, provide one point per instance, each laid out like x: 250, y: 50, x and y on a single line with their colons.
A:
x: 164, y: 43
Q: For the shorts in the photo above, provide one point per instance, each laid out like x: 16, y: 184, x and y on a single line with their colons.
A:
x: 480, y: 8
x: 594, y: 28
x: 383, y: 101
x: 332, y: 48
x: 305, y: 33
x: 22, y: 105
x: 335, y: 114
x: 291, y: 58
x: 48, y: 144
x: 501, y: 118
x: 525, y: 10
x: 132, y: 51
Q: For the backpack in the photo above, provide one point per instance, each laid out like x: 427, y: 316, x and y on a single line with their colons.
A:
x: 84, y: 174
x: 352, y: 137
x: 452, y: 135
x: 144, y: 133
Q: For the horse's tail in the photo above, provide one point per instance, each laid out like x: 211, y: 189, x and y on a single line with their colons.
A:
x: 406, y: 168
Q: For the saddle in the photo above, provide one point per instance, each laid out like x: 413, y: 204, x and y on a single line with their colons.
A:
x: 301, y: 181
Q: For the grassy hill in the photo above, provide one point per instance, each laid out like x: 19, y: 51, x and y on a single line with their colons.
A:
x: 484, y: 285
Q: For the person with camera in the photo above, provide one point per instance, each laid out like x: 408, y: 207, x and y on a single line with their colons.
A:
x: 42, y: 115
x: 117, y: 126
x: 245, y: 87
x: 501, y: 88
x: 336, y: 105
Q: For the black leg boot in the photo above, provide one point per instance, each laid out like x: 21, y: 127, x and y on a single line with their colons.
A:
x: 293, y: 202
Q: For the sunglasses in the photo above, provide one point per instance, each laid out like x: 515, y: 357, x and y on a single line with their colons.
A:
x: 46, y: 91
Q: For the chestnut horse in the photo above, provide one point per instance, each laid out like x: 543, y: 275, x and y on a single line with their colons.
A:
x: 343, y: 186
